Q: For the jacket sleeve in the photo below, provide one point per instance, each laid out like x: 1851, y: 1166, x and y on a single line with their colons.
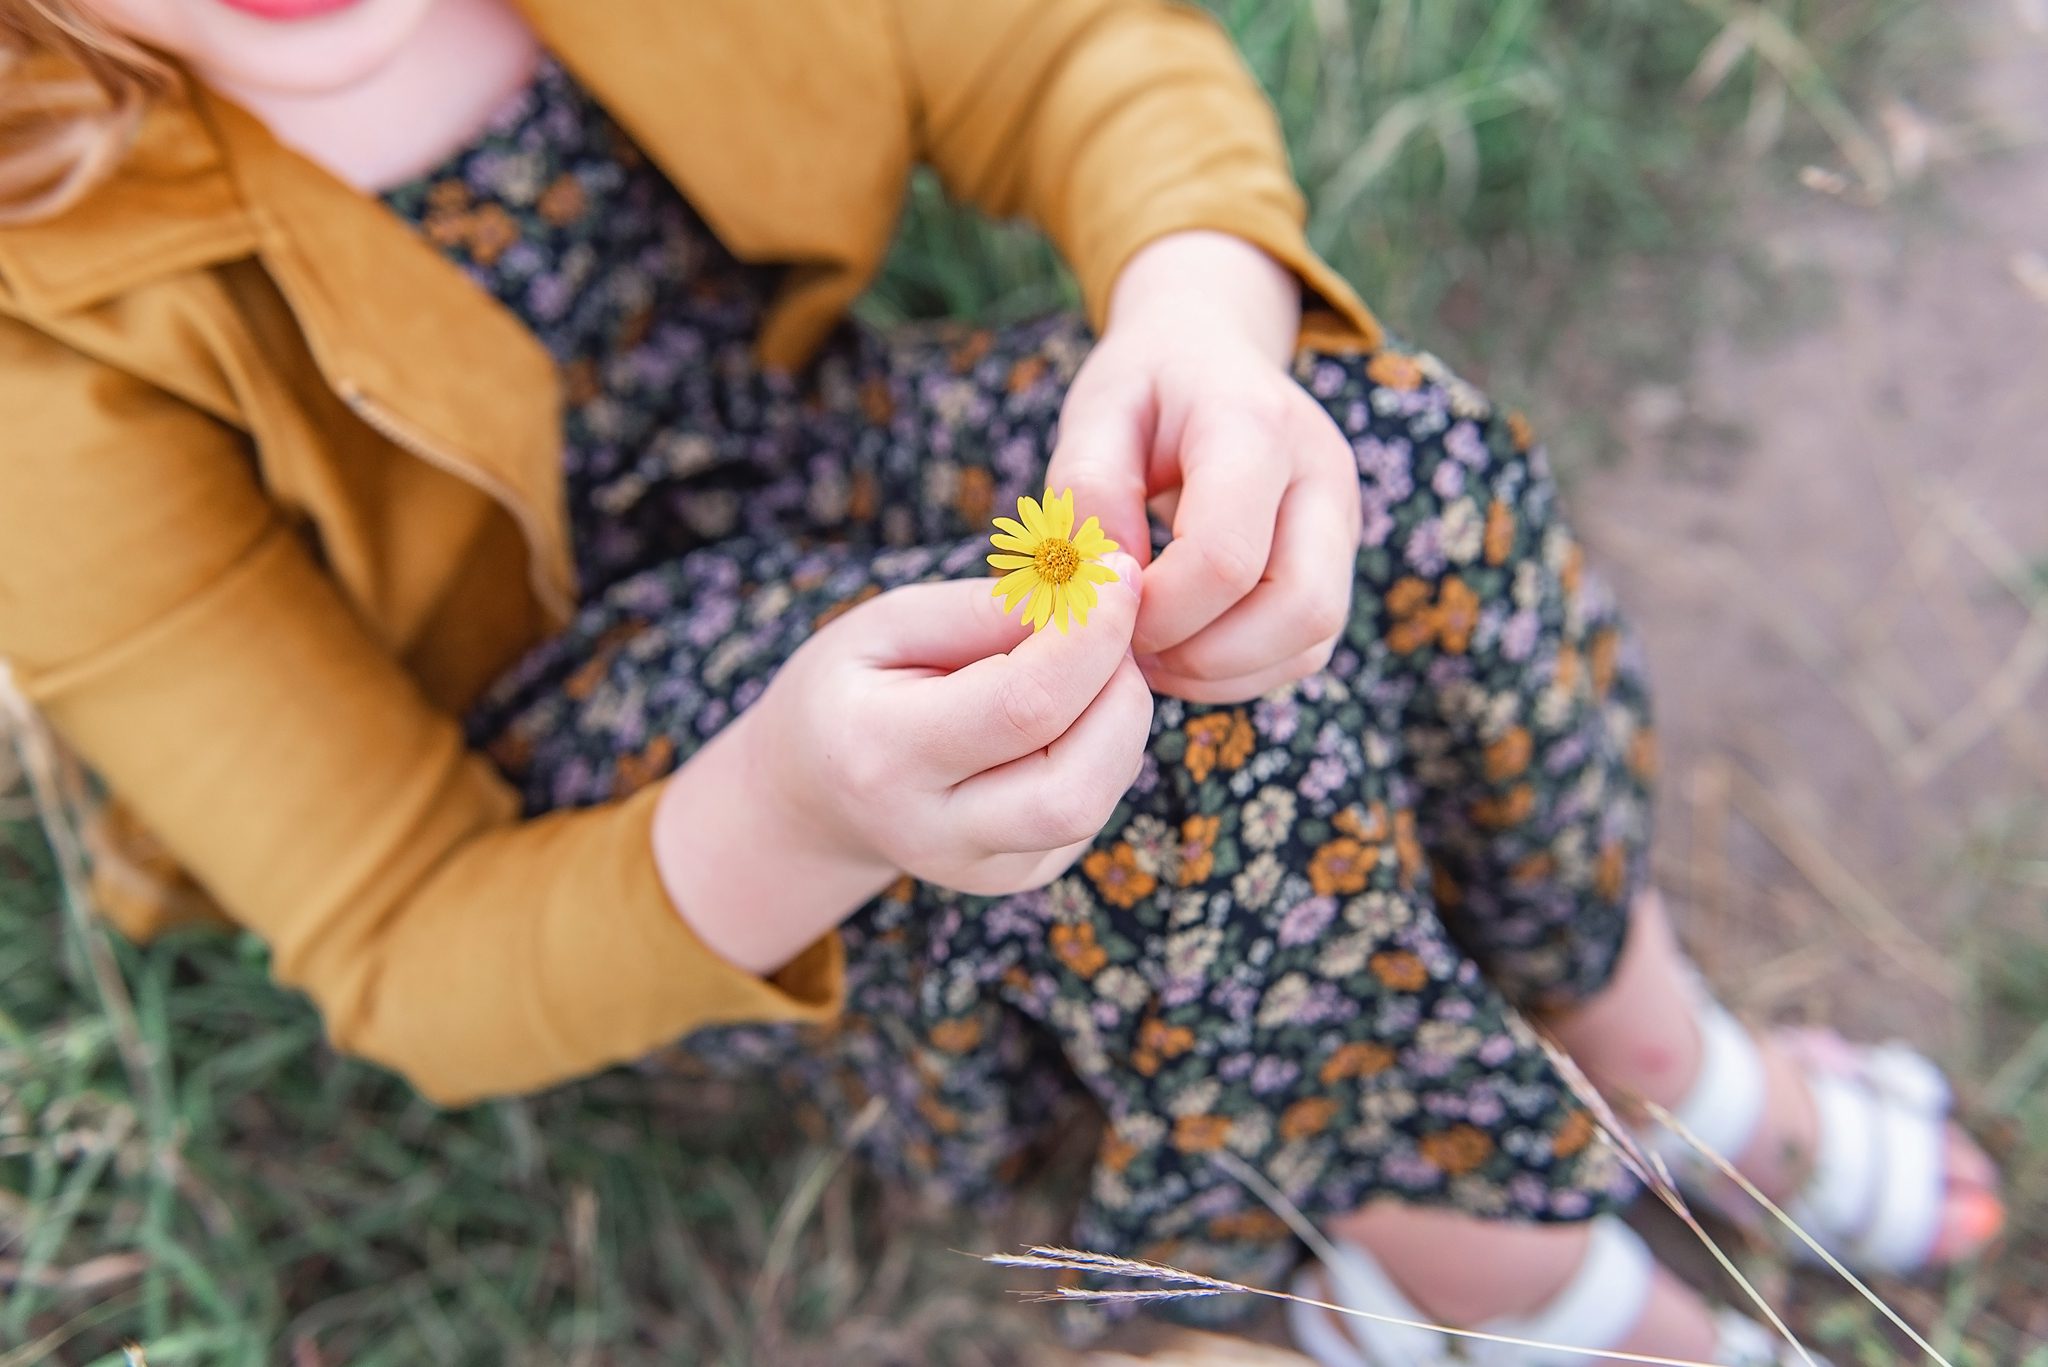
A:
x: 1110, y: 123
x: 162, y: 614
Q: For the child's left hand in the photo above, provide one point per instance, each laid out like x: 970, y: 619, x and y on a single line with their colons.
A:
x: 1187, y: 402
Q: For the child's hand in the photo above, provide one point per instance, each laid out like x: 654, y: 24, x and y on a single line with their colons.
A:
x: 1187, y: 401
x: 923, y: 732
x: 927, y: 731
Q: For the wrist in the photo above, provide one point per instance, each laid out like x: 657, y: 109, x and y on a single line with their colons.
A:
x: 1204, y: 281
x: 753, y: 873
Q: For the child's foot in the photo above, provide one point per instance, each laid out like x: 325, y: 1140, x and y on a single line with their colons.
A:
x: 1855, y: 1141
x: 1591, y: 1286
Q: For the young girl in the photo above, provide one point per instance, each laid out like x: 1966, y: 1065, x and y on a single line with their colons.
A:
x: 369, y: 365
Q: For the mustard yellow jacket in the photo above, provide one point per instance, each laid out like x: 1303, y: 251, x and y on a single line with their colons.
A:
x: 280, y: 489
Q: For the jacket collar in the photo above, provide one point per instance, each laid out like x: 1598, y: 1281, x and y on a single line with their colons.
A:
x: 396, y: 330
x: 172, y: 206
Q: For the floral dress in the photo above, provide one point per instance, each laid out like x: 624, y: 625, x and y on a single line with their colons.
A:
x: 1307, y: 934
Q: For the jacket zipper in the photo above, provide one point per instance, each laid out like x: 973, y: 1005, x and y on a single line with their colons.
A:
x: 394, y: 430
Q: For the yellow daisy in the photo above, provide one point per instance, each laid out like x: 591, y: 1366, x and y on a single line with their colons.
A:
x: 1049, y: 567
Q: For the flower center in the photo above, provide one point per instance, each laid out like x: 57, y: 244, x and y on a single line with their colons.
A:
x: 1056, y: 560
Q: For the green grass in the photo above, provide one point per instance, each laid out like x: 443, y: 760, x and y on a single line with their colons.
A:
x: 1483, y: 169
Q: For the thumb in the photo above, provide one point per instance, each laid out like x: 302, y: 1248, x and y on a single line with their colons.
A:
x: 1104, y: 436
x: 944, y: 624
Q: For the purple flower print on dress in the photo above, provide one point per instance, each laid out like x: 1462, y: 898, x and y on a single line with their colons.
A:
x: 1527, y: 1192
x: 1448, y: 480
x: 1567, y: 1204
x: 1379, y: 523
x: 1328, y: 380
x: 1425, y: 548
x: 1325, y: 776
x: 1495, y: 1050
x: 1274, y: 1074
x: 1409, y: 1170
x: 1518, y: 636
x: 1276, y: 718
x: 1305, y: 921
x: 1388, y: 463
x: 1465, y: 445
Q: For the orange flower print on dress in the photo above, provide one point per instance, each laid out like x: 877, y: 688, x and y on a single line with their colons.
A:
x: 638, y: 770
x: 1307, y: 1118
x: 1257, y: 1225
x: 1160, y: 1043
x: 1198, y: 848
x: 1076, y: 948
x: 1117, y: 875
x: 563, y: 202
x: 1458, y: 1150
x: 1508, y: 756
x: 1342, y: 866
x: 1414, y: 625
x: 1361, y: 823
x: 1408, y: 849
x: 1359, y: 1058
x: 1200, y: 1133
x: 1642, y: 755
x: 1576, y: 1132
x: 1400, y: 969
x: 1519, y: 431
x: 1605, y: 657
x: 1457, y: 614
x: 1511, y: 808
x: 1500, y: 532
x: 1395, y: 371
x: 1218, y: 740
x: 958, y: 1035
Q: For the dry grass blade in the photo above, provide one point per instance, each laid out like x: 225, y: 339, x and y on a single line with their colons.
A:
x: 1749, y: 1189
x: 1194, y: 1284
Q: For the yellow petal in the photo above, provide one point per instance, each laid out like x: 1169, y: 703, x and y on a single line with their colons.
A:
x: 1025, y: 544
x: 1010, y: 562
x: 1034, y: 517
x: 1090, y: 540
x: 1014, y: 586
x: 1083, y: 594
x: 1093, y: 574
x: 1059, y: 513
x: 1041, y: 609
x: 1013, y: 527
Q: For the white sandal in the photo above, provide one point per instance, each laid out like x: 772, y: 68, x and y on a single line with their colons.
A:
x: 1595, y: 1311
x: 1879, y: 1181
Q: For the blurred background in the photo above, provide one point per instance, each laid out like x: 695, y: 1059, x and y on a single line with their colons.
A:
x: 1772, y: 276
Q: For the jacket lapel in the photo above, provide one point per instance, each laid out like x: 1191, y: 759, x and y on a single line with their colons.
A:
x: 408, y: 341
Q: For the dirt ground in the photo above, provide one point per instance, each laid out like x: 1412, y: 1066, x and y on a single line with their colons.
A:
x: 1831, y: 539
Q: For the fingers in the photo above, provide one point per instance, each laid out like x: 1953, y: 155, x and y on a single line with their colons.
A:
x: 1065, y: 793
x: 944, y: 625
x: 1300, y: 605
x: 1222, y: 528
x: 1006, y: 705
x: 1241, y: 689
x: 1105, y: 436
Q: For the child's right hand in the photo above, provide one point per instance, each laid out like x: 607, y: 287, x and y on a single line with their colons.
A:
x: 923, y: 732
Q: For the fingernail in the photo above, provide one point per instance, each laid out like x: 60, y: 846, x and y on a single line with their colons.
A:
x: 1125, y: 567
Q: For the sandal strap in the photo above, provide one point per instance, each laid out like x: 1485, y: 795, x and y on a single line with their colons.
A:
x: 1355, y: 1279
x: 1598, y: 1308
x: 1726, y: 1103
x: 1875, y: 1197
